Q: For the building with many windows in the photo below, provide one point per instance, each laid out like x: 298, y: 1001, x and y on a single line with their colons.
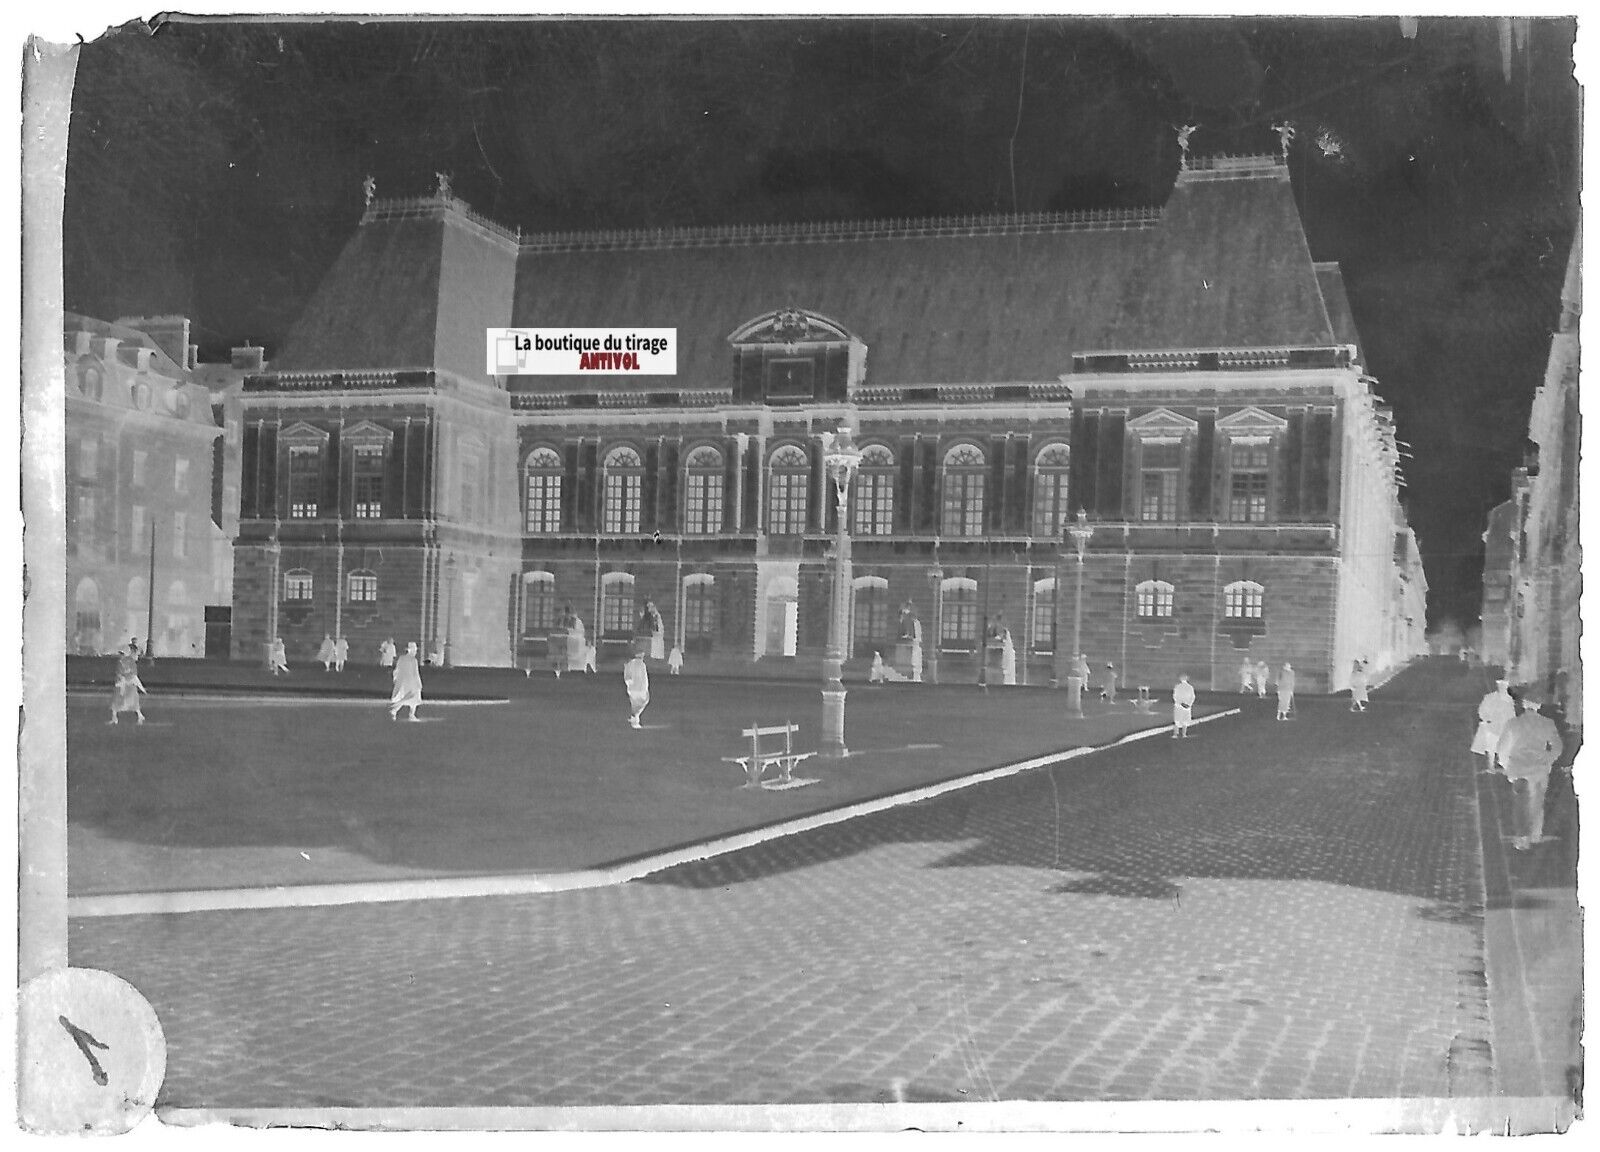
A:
x: 1187, y: 376
x: 139, y: 436
x: 1532, y: 574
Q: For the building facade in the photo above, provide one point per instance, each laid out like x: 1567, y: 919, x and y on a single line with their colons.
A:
x: 1187, y: 376
x: 1532, y: 557
x: 139, y: 533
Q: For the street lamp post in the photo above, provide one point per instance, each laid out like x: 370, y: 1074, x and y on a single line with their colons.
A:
x: 1080, y: 532
x: 449, y: 610
x: 840, y: 458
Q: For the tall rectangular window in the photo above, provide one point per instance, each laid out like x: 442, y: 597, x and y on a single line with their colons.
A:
x: 88, y: 517
x: 363, y: 587
x: 622, y: 501
x: 305, y: 480
x: 180, y: 475
x: 874, y: 502
x: 616, y: 608
x: 1159, y: 466
x: 89, y: 458
x: 873, y: 621
x: 786, y: 503
x: 1249, y: 468
x: 963, y: 502
x: 1044, y: 616
x: 699, y: 613
x: 141, y: 461
x: 471, y: 484
x: 538, y: 603
x: 958, y: 615
x: 542, y: 503
x: 702, y: 503
x: 366, y: 481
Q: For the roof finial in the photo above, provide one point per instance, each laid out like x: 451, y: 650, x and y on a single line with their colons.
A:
x: 444, y: 184
x: 369, y: 188
x: 1285, y: 133
x: 1184, y: 133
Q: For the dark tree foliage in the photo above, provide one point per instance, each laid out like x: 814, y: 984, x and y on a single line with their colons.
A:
x: 215, y: 168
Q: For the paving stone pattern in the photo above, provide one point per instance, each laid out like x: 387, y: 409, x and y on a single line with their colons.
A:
x: 1267, y: 910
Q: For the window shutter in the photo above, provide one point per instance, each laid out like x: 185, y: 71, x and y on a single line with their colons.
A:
x: 1108, y: 481
x: 330, y: 474
x: 1202, y: 472
x: 1287, y: 468
x: 268, y: 494
x: 815, y: 482
x: 648, y: 487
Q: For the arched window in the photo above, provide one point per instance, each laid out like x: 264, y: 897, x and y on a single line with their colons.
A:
x: 1043, y: 638
x: 298, y: 585
x: 1153, y: 599
x: 624, y: 485
x: 963, y: 491
x: 958, y: 614
x: 699, y: 611
x: 1241, y: 600
x: 539, y: 613
x: 542, y: 491
x: 616, y: 606
x: 874, y: 510
x: 362, y: 587
x: 789, y: 480
x: 141, y: 395
x: 702, y: 492
x: 1050, y: 472
x: 873, y: 624
x: 178, y: 402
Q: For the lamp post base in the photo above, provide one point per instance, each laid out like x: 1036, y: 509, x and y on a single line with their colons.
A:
x: 832, y: 743
x: 1075, y: 695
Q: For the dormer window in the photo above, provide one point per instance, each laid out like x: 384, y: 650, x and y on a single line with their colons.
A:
x: 1247, y: 445
x: 1162, y: 444
x: 792, y: 356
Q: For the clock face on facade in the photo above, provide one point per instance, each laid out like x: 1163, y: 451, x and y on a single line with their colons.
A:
x: 92, y: 1055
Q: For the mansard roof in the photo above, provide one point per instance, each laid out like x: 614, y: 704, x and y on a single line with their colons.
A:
x: 1224, y: 264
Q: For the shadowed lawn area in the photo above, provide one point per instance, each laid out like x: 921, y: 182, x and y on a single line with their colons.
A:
x: 274, y: 791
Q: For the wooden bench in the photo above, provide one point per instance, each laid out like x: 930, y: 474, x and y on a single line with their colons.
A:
x: 760, y: 759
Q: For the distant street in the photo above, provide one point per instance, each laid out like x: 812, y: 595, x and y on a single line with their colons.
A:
x: 1289, y: 910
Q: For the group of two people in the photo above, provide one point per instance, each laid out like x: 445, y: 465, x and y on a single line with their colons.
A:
x: 1522, y: 744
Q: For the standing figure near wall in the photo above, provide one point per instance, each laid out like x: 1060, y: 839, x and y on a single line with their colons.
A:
x: 1008, y: 653
x: 1528, y: 749
x: 325, y: 653
x: 341, y: 653
x: 1495, y: 711
x: 1108, y: 691
x: 1358, y: 687
x: 278, y: 657
x: 1263, y: 674
x: 1285, y: 691
x: 908, y: 651
x: 1247, y: 676
x: 1182, y: 706
x: 648, y: 637
x: 386, y: 653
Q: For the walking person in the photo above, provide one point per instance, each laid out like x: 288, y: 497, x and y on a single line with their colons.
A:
x: 1263, y: 674
x: 386, y: 653
x: 649, y: 634
x: 1182, y: 707
x: 407, y: 691
x: 637, y: 679
x: 675, y: 661
x: 341, y: 653
x: 1247, y: 675
x: 1358, y: 687
x: 278, y: 658
x: 1495, y: 711
x: 1109, y: 692
x: 1285, y: 691
x: 1528, y: 749
x: 325, y: 653
x: 125, y: 691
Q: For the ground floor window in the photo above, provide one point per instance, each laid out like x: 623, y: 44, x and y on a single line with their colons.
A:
x: 958, y: 614
x: 875, y: 621
x: 1043, y: 639
x: 699, y: 612
x: 616, y: 606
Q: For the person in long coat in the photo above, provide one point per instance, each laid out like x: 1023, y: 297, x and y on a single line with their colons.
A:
x: 1285, y: 691
x: 1008, y: 655
x: 280, y: 656
x: 1263, y: 674
x: 1528, y: 749
x: 125, y: 691
x: 407, y: 692
x: 1182, y: 706
x: 637, y: 679
x: 1358, y: 687
x: 650, y: 631
x: 1247, y: 676
x: 386, y: 653
x: 1109, y: 692
x: 341, y: 653
x: 1495, y: 711
x: 325, y: 653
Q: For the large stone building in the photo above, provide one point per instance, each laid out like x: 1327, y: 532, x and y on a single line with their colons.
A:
x: 1187, y: 376
x: 139, y: 436
x: 1532, y: 559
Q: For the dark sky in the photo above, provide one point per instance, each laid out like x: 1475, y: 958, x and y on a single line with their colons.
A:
x: 215, y: 169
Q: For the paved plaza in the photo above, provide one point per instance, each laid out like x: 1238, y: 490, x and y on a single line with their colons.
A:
x: 1266, y: 911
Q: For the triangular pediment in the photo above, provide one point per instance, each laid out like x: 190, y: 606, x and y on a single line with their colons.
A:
x: 1163, y: 422
x: 1248, y: 420
x: 368, y: 431
x: 303, y: 432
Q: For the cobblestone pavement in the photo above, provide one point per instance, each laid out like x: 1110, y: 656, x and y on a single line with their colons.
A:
x: 1267, y: 910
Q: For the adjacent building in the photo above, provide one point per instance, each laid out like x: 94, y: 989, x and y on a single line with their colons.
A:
x: 139, y: 531
x: 1187, y: 376
x: 1532, y: 559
